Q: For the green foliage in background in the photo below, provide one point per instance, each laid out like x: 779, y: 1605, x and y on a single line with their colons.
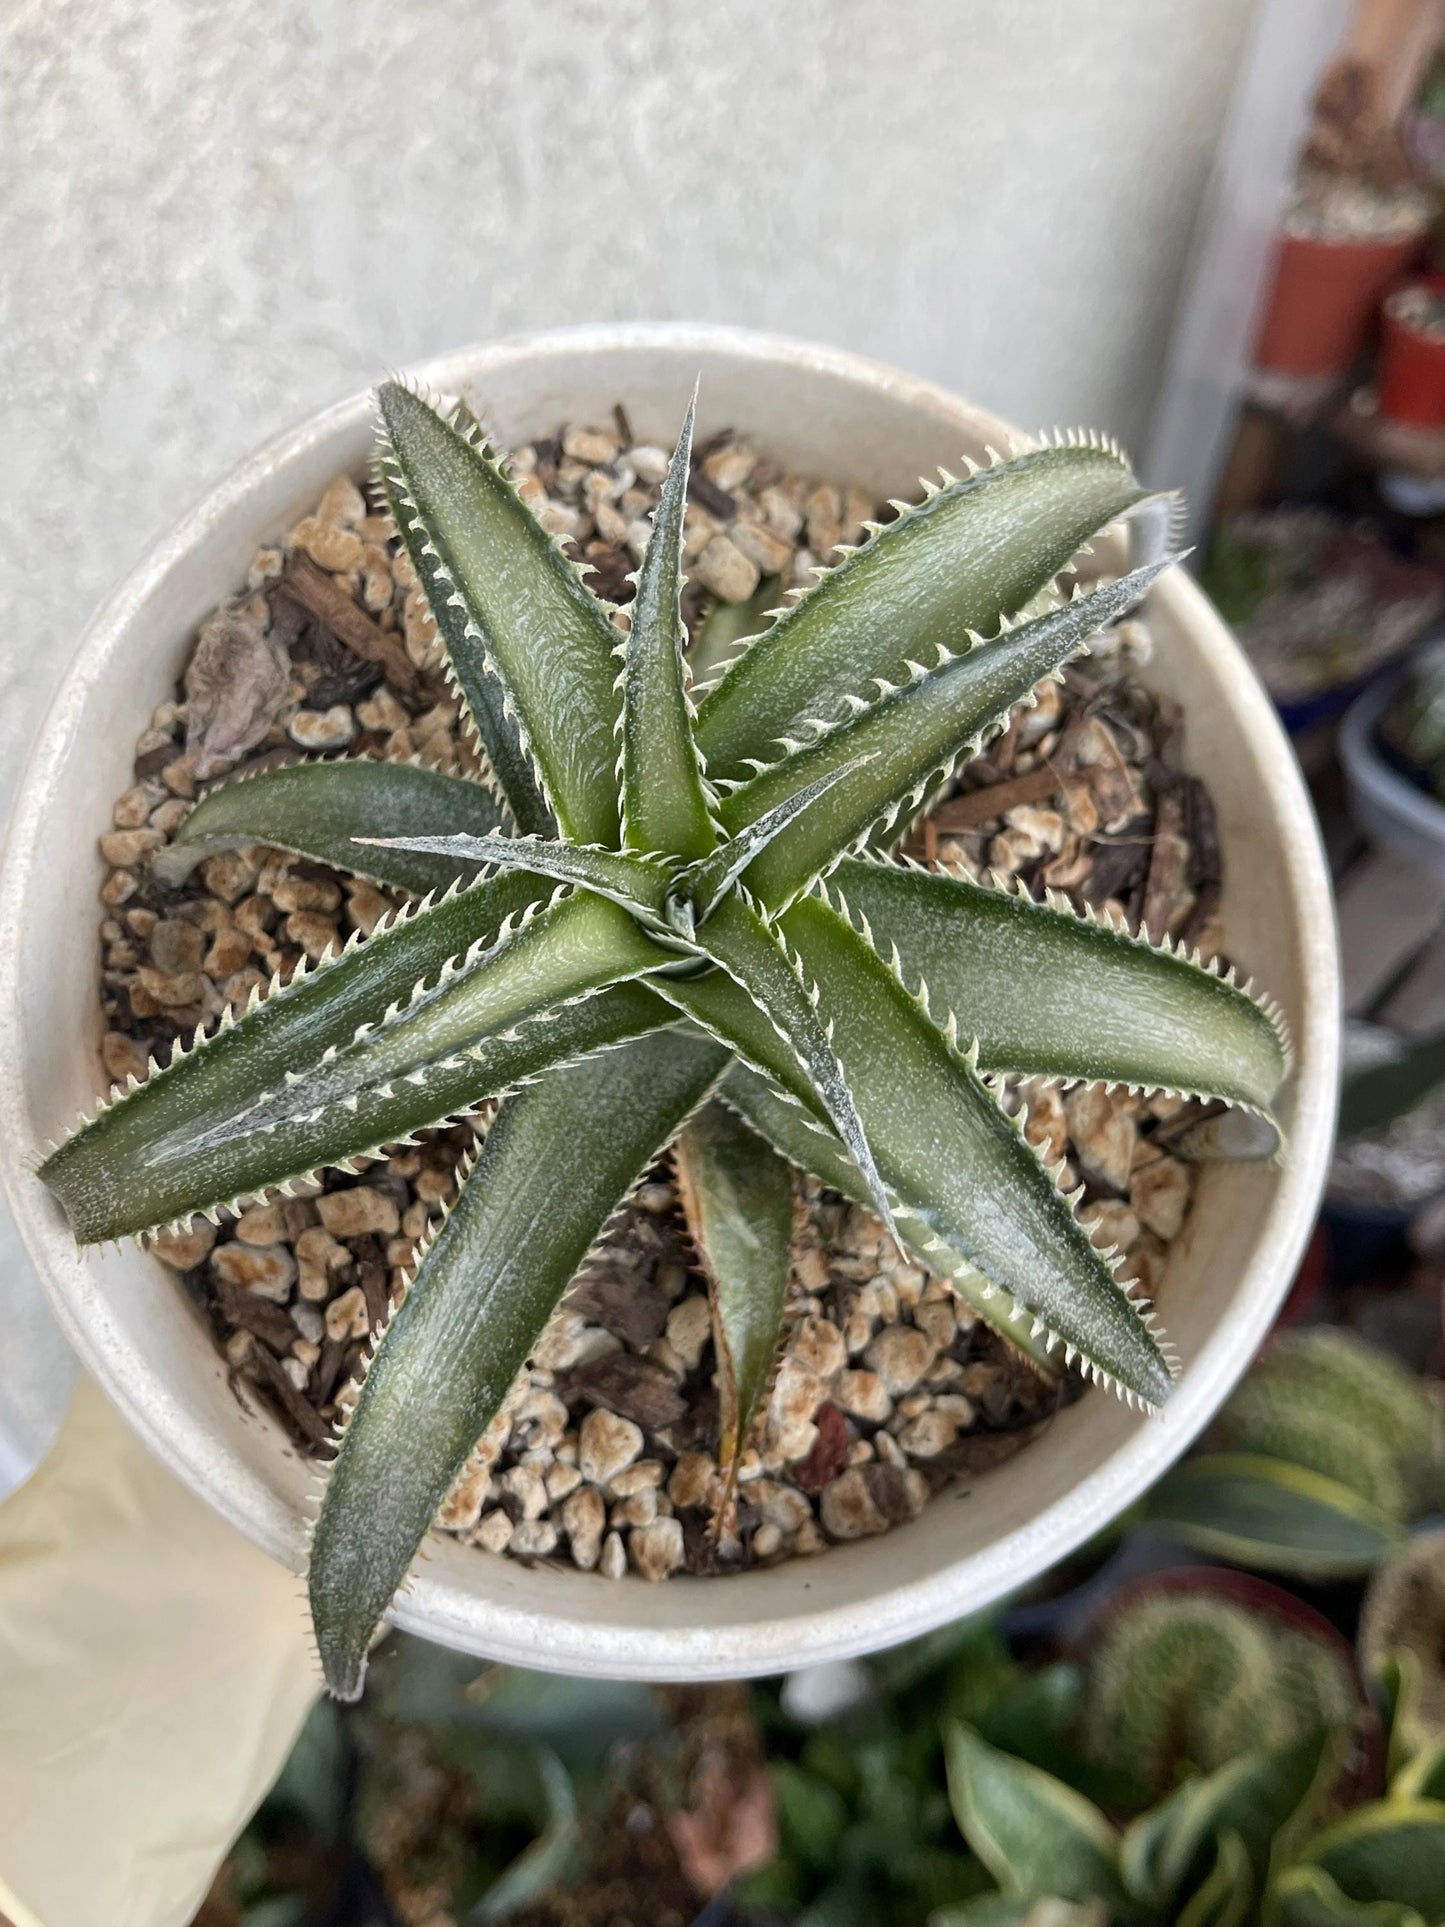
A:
x: 1318, y: 1463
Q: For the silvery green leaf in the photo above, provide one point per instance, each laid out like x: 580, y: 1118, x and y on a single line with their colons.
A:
x: 907, y: 736
x: 484, y: 701
x: 176, y: 1144
x: 628, y: 881
x: 738, y: 1198
x: 799, y: 1137
x: 708, y: 880
x: 976, y: 550
x: 664, y: 805
x: 563, y: 953
x: 320, y: 810
x: 736, y: 938
x: 484, y: 1289
x: 1050, y: 994
x: 545, y: 640
x: 944, y: 1147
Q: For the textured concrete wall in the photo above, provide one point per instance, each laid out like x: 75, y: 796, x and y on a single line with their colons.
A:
x: 216, y: 218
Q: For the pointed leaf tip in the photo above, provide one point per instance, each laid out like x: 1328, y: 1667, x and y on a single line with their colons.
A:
x: 664, y: 803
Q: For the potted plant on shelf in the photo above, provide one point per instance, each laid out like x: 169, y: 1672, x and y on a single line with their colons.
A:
x: 1412, y: 355
x: 651, y: 924
x: 1356, y: 221
x: 1392, y: 745
x: 1318, y: 604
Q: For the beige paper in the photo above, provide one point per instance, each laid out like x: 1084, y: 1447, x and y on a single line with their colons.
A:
x: 154, y: 1671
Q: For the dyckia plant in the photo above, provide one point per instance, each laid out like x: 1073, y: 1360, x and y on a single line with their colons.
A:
x: 667, y: 923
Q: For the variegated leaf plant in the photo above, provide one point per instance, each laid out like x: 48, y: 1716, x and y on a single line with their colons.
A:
x: 664, y: 922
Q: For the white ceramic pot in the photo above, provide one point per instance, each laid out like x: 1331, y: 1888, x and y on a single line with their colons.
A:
x: 824, y: 413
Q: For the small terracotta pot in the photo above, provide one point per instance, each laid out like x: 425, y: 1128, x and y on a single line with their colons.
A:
x: 1412, y: 365
x: 1324, y: 300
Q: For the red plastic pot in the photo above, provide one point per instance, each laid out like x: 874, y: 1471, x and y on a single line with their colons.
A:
x: 1324, y: 300
x: 1412, y: 368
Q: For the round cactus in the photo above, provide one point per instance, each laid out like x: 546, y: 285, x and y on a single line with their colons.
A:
x: 1192, y: 1680
x: 1325, y: 1400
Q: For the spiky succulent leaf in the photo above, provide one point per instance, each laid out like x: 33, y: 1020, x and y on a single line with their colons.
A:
x: 545, y: 639
x: 974, y: 551
x: 199, y: 1133
x: 664, y: 805
x: 510, y: 770
x: 629, y: 881
x: 565, y: 952
x: 796, y: 1135
x: 483, y: 1292
x: 944, y: 1147
x: 908, y: 738
x: 1038, y: 1838
x: 1050, y: 994
x: 738, y: 1199
x: 321, y: 810
x: 961, y: 1165
x: 736, y: 938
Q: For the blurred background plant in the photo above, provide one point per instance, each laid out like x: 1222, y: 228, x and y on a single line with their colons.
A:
x: 1316, y: 1468
x: 1412, y: 729
x: 1319, y: 601
x: 1141, y: 1739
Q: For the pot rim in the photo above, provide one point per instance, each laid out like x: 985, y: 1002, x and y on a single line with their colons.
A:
x: 625, y: 1645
